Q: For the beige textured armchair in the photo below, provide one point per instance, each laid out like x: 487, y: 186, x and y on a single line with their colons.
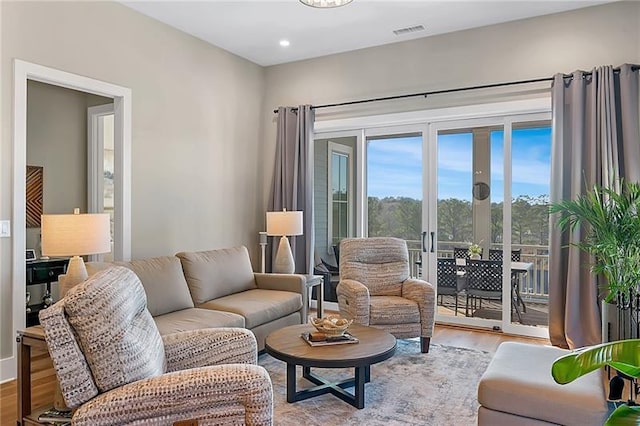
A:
x: 375, y: 289
x: 114, y: 368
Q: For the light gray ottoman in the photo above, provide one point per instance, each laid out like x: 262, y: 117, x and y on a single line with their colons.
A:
x: 517, y: 389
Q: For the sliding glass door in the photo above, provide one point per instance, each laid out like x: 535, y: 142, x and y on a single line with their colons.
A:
x: 489, y: 265
x: 445, y: 185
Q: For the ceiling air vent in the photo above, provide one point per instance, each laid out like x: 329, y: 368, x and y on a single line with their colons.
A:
x: 408, y: 30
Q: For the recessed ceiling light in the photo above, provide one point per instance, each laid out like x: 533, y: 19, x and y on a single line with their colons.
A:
x: 284, y: 43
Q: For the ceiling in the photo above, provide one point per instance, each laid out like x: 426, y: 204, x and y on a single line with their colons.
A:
x: 253, y: 28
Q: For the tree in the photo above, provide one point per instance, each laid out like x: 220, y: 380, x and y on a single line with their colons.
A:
x: 455, y: 220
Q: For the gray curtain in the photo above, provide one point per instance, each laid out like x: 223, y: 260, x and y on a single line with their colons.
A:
x: 293, y: 180
x: 595, y: 141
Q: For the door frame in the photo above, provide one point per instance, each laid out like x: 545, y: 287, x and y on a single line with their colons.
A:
x: 23, y: 71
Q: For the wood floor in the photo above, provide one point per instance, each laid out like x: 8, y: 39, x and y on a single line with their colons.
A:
x: 43, y: 375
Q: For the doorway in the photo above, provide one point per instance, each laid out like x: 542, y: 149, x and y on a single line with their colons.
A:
x: 24, y: 71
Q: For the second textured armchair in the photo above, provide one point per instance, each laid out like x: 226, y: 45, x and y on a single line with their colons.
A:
x: 375, y: 289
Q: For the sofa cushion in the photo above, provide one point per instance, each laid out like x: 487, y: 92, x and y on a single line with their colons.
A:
x: 119, y: 339
x: 163, y: 282
x: 195, y: 319
x: 258, y: 306
x: 217, y: 273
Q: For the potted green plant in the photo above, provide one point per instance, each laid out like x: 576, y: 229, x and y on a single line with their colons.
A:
x: 612, y: 235
x: 622, y: 355
x: 475, y: 251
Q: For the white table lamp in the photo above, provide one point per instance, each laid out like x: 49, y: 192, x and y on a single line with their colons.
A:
x: 282, y: 224
x: 75, y: 235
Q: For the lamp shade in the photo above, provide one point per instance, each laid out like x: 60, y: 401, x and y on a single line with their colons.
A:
x: 284, y: 223
x: 75, y: 234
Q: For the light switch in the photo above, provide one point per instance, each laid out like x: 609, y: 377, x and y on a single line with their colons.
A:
x: 5, y: 228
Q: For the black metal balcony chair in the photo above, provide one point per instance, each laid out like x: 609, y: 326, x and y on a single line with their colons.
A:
x: 515, y: 275
x: 461, y: 252
x: 484, y: 281
x: 497, y: 255
x: 448, y: 280
x: 331, y: 276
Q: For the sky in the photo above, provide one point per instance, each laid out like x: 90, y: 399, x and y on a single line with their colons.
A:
x: 394, y: 166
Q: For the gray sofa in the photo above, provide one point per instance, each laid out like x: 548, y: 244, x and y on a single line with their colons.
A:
x: 216, y: 288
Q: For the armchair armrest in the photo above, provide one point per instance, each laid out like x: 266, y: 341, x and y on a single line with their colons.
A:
x: 209, y: 346
x: 424, y: 295
x: 353, y: 300
x: 284, y: 282
x: 233, y: 393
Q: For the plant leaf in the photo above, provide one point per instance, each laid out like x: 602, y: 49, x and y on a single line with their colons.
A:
x: 624, y: 415
x: 624, y: 353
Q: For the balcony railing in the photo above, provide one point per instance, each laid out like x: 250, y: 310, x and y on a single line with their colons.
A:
x: 536, y: 289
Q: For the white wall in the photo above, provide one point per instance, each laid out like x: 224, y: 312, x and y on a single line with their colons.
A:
x: 527, y: 49
x: 196, y: 118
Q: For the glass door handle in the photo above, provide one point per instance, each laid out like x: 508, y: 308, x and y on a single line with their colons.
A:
x: 424, y: 246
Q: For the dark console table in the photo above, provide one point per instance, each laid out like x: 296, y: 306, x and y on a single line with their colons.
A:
x: 42, y: 272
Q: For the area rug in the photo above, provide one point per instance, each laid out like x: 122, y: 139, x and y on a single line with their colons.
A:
x: 411, y: 388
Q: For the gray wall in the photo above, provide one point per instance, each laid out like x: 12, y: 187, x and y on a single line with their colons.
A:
x: 196, y: 176
x: 526, y: 49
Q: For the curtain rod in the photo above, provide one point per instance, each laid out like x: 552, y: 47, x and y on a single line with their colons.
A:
x: 459, y: 89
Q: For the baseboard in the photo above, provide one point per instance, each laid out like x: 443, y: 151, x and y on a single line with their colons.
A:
x: 7, y: 369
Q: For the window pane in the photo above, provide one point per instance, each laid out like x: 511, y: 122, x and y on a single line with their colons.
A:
x: 343, y: 177
x: 394, y: 188
x: 335, y: 177
x: 455, y: 178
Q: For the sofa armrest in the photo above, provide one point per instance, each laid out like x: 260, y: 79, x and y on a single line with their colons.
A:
x: 209, y: 346
x: 424, y: 295
x: 353, y: 301
x: 283, y: 282
x: 233, y: 393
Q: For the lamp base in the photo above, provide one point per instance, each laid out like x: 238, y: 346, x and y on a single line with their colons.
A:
x: 284, y: 263
x: 76, y: 273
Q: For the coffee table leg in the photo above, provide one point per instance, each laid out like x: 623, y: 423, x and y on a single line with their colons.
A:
x: 367, y: 374
x: 291, y: 382
x: 361, y: 375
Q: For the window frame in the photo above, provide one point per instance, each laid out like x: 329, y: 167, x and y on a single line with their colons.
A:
x: 344, y: 150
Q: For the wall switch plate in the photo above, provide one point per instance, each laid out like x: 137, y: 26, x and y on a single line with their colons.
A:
x: 5, y: 228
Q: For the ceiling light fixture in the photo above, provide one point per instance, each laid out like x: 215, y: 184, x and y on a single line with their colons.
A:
x: 325, y: 4
x: 284, y: 43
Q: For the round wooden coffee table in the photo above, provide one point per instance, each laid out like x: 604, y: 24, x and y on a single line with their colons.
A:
x: 287, y: 345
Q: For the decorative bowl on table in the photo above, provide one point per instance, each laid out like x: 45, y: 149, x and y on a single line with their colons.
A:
x: 332, y: 325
